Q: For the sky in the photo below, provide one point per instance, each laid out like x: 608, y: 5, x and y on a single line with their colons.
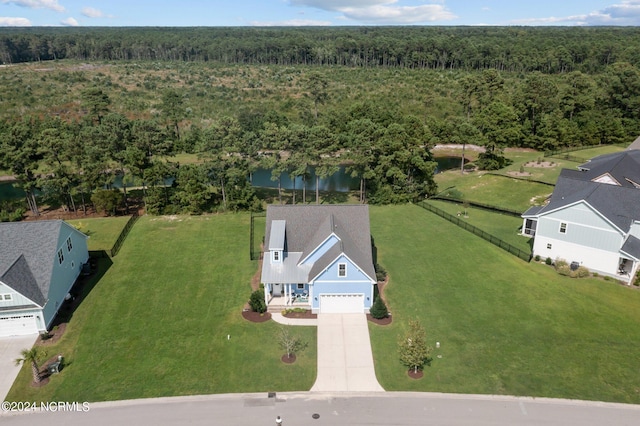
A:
x: 317, y: 12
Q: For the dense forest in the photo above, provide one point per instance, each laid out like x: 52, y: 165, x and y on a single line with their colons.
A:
x: 82, y: 107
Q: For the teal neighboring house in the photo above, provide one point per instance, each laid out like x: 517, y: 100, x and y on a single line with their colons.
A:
x: 39, y: 264
x: 318, y: 257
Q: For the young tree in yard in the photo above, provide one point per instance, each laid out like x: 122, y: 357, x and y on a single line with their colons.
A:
x: 379, y: 309
x: 256, y: 301
x: 289, y: 343
x: 414, y: 352
x: 32, y: 356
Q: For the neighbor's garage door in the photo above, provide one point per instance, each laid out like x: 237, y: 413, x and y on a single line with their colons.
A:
x: 17, y: 325
x: 341, y: 303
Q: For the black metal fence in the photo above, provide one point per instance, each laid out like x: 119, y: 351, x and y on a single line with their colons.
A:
x: 526, y: 256
x: 510, y: 212
x: 254, y: 247
x: 123, y: 234
x: 526, y: 179
x: 563, y: 153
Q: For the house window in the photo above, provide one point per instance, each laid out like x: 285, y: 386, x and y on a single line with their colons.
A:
x: 276, y: 256
x: 69, y: 245
x: 60, y: 256
x: 6, y: 297
x: 300, y: 286
x: 549, y: 246
x: 563, y: 228
x: 342, y: 269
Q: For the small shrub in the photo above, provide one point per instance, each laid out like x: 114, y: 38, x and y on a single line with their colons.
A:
x: 537, y: 258
x: 256, y: 301
x: 582, y: 272
x: 521, y: 168
x: 560, y: 263
x: 379, y: 309
x: 548, y: 261
x: 381, y: 273
x: 636, y: 281
x: 607, y: 278
x: 564, y: 270
x: 595, y: 274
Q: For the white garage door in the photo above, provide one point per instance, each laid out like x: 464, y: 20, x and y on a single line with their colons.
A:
x: 342, y: 303
x: 17, y: 325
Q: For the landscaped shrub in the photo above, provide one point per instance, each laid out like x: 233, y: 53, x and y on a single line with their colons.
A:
x: 381, y: 273
x: 636, y: 281
x: 537, y: 258
x: 582, y: 272
x: 560, y: 263
x: 379, y: 309
x: 564, y: 270
x: 548, y: 261
x: 256, y: 301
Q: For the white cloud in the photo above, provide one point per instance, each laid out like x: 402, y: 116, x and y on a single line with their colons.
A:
x: 382, y: 11
x: 627, y: 12
x: 292, y: 23
x: 69, y: 22
x: 14, y: 22
x: 90, y: 12
x: 37, y: 4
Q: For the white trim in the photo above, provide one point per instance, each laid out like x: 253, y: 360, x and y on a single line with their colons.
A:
x: 37, y: 306
x: 593, y: 209
x: 372, y: 281
x: 302, y: 261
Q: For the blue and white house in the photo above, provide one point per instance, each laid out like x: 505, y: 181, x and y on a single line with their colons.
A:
x: 593, y: 216
x: 318, y: 257
x: 39, y: 263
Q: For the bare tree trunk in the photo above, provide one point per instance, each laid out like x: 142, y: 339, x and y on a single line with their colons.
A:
x: 317, y: 189
x: 36, y: 372
x: 462, y: 162
x: 304, y: 189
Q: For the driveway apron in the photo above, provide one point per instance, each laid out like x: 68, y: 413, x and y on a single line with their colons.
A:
x: 345, y: 362
x: 10, y: 348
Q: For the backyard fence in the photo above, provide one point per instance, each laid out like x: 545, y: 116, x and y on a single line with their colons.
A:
x: 526, y: 256
x: 526, y: 179
x: 123, y: 234
x: 563, y: 153
x: 510, y: 212
x: 254, y: 249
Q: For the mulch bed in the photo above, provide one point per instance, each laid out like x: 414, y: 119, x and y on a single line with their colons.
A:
x: 288, y: 359
x: 383, y: 321
x: 306, y: 314
x: 256, y: 316
x: 415, y: 375
x: 55, y: 336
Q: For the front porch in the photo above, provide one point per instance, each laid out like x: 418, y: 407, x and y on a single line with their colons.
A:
x: 279, y: 297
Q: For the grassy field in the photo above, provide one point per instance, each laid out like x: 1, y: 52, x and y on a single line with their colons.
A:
x: 505, y: 326
x: 103, y: 231
x: 157, y: 322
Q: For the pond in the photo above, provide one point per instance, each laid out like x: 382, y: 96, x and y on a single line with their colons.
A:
x: 338, y: 182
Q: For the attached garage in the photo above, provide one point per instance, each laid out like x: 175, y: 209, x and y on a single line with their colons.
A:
x: 342, y: 303
x: 18, y: 325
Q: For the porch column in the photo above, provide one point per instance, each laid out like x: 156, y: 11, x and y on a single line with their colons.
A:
x: 267, y: 288
x: 286, y: 294
x: 632, y: 274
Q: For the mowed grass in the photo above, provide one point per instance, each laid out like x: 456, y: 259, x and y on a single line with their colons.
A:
x: 102, y: 231
x: 166, y: 319
x: 505, y: 326
x: 503, y: 226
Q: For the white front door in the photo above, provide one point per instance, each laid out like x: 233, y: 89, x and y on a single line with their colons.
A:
x: 342, y: 303
x: 277, y: 290
x: 18, y: 325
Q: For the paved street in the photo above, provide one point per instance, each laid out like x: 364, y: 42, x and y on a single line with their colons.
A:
x: 336, y: 409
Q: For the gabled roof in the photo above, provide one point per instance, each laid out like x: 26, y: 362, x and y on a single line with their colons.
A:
x: 634, y: 145
x: 621, y: 167
x: 307, y: 226
x: 27, y: 253
x: 618, y: 204
x: 631, y: 247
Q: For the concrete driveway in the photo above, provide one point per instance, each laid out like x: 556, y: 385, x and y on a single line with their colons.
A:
x: 10, y: 348
x: 345, y: 362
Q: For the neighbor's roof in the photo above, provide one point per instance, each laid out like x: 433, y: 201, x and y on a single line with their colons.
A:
x: 618, y: 204
x: 27, y: 253
x: 307, y: 226
x: 623, y: 166
x: 635, y: 144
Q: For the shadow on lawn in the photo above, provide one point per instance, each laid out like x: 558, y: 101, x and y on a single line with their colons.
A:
x: 100, y: 263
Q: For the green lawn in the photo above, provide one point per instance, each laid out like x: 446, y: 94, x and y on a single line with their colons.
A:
x: 503, y: 226
x: 103, y: 231
x: 157, y: 322
x: 505, y: 326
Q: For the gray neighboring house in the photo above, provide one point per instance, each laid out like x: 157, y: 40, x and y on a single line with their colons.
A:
x: 318, y: 257
x: 39, y: 263
x: 593, y: 216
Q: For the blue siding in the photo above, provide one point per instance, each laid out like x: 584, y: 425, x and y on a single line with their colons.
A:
x: 64, y: 275
x: 321, y: 249
x: 355, y: 282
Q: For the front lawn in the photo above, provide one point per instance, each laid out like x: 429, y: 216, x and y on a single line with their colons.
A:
x: 505, y: 326
x: 157, y: 323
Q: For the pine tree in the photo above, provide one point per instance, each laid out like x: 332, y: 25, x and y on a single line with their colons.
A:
x: 379, y: 309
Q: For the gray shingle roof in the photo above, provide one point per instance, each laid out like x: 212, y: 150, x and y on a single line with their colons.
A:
x: 27, y: 253
x: 307, y: 226
x: 623, y: 166
x: 635, y: 144
x: 632, y: 247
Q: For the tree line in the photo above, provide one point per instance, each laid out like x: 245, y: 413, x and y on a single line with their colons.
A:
x: 512, y: 49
